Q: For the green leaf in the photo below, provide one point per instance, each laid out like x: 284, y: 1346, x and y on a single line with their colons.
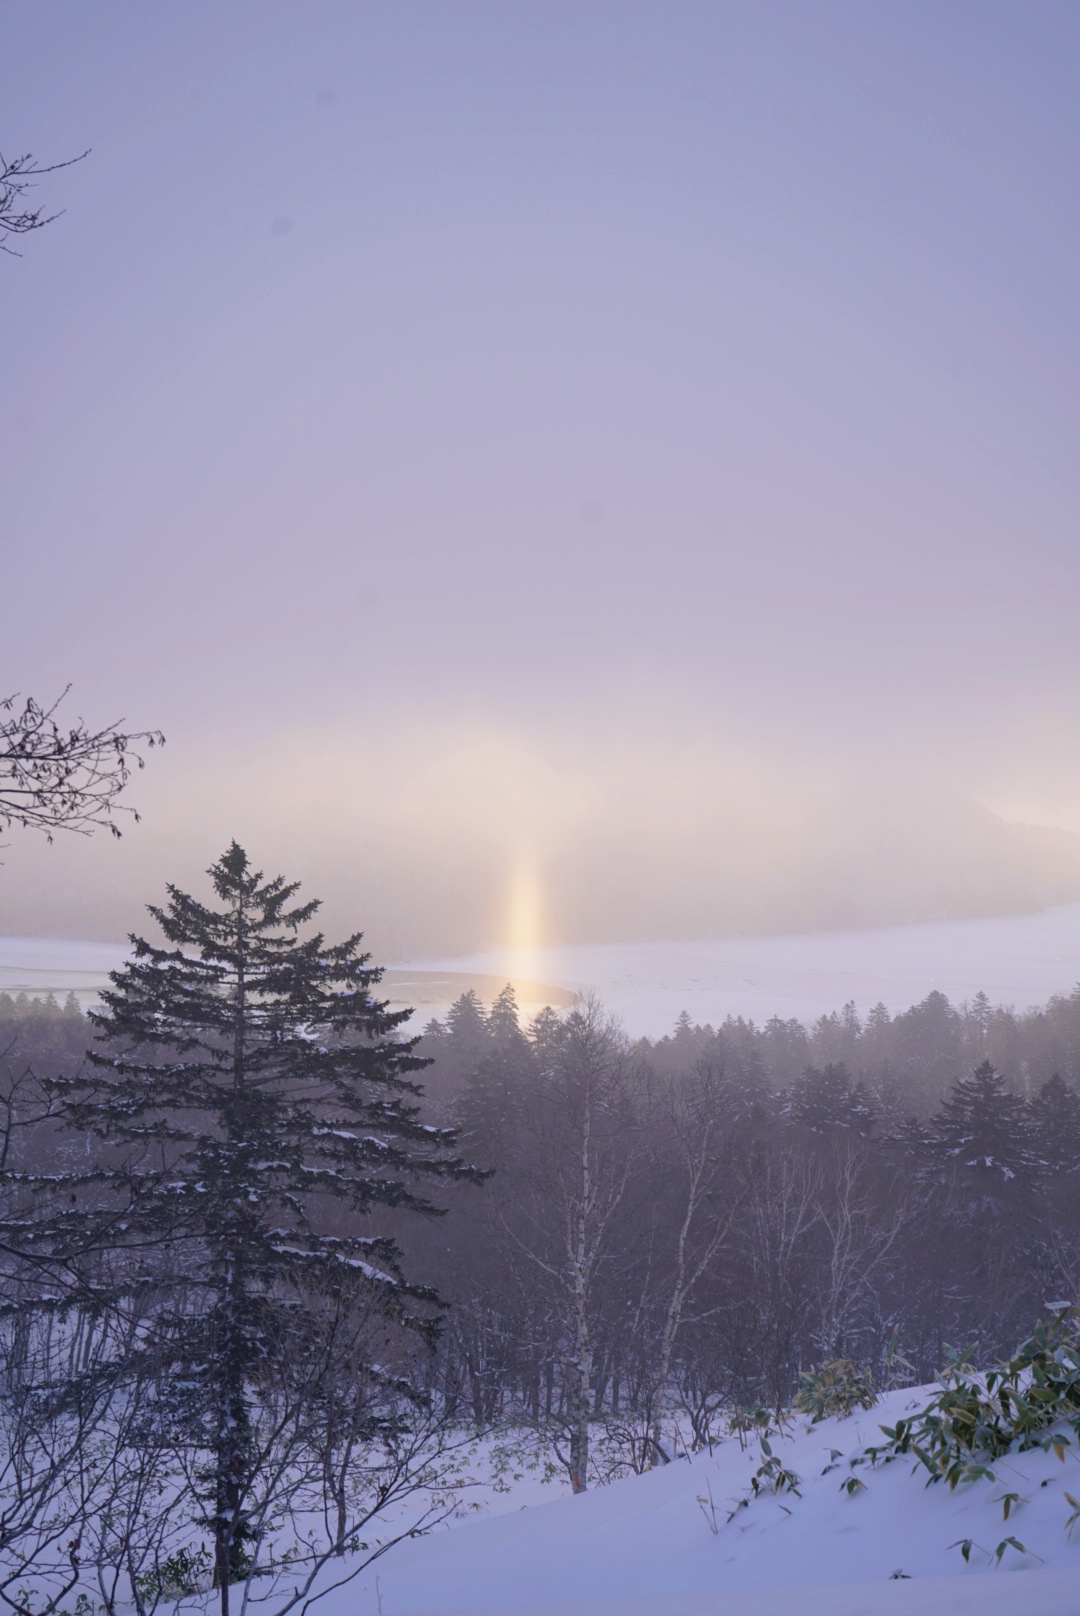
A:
x: 1074, y: 1517
x: 1011, y: 1543
x: 1008, y: 1501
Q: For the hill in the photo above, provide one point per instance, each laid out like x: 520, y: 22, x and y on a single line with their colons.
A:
x: 661, y: 1544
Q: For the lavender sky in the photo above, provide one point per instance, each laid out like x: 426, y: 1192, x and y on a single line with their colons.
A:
x: 556, y: 471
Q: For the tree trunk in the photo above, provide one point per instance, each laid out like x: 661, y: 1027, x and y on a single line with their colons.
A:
x: 580, y: 1386
x: 581, y: 1363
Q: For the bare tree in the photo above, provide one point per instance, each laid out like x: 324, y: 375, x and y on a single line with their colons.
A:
x: 699, y: 1119
x: 583, y: 1138
x: 784, y: 1213
x: 17, y: 177
x: 54, y: 778
x: 349, y: 1459
x: 858, y: 1234
x: 65, y: 1443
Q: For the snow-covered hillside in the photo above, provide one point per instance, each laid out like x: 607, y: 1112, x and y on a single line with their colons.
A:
x: 662, y: 1543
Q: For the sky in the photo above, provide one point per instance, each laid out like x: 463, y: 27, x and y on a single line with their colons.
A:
x: 564, y: 472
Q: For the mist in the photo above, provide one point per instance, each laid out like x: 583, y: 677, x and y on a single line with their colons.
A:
x: 563, y: 474
x: 445, y: 840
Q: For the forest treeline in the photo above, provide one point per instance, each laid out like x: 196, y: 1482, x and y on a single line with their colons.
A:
x: 632, y: 1236
x: 906, y: 1062
x: 691, y: 1221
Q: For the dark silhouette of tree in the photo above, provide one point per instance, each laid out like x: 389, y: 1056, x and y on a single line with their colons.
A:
x: 983, y: 1126
x: 828, y: 1098
x: 54, y: 778
x: 503, y: 1026
x: 1055, y: 1126
x: 466, y: 1027
x: 488, y: 1107
x: 17, y: 180
x: 252, y: 1084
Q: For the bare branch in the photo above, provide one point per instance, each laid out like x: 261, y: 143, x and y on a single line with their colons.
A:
x: 64, y: 779
x: 17, y: 176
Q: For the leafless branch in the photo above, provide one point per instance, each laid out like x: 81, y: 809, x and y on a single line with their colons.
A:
x: 52, y: 778
x: 17, y: 177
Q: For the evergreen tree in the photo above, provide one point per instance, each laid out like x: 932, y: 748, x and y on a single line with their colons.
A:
x: 503, y: 1026
x: 827, y: 1098
x: 489, y: 1105
x: 250, y: 1082
x: 983, y: 1126
x: 1055, y: 1126
x: 467, y: 1028
x: 925, y: 1048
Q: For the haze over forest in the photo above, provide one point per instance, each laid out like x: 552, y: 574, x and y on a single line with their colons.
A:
x: 555, y: 472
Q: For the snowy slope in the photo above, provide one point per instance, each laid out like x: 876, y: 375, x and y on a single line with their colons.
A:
x: 647, y: 1543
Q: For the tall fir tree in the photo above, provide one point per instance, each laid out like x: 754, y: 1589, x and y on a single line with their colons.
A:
x: 984, y: 1127
x: 467, y: 1028
x: 249, y: 1082
x: 827, y: 1098
x: 489, y: 1104
x: 1055, y: 1126
x: 503, y: 1025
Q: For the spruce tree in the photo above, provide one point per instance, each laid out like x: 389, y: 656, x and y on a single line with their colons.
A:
x: 248, y: 1083
x: 489, y: 1106
x: 1055, y: 1126
x: 503, y: 1026
x: 827, y: 1098
x: 983, y: 1126
x: 467, y: 1029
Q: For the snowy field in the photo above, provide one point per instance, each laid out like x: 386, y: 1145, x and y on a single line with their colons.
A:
x: 661, y: 1544
x: 1016, y: 959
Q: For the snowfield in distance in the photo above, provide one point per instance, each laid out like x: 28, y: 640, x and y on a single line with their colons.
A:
x: 1017, y: 960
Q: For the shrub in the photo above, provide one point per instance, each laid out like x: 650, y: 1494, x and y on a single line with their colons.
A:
x: 978, y: 1417
x: 834, y: 1388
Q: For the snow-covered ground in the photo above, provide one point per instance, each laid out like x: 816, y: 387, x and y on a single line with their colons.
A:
x: 58, y: 965
x: 674, y: 1542
x: 661, y: 1544
x: 1015, y: 959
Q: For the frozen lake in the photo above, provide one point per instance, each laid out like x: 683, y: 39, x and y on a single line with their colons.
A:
x: 1016, y: 959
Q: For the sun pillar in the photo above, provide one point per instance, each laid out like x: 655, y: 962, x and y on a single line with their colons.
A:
x: 524, y: 918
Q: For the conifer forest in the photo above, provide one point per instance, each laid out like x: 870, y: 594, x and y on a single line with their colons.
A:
x: 269, y: 1257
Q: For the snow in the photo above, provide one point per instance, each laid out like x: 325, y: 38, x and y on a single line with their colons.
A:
x: 1019, y: 960
x: 58, y: 964
x: 1015, y: 959
x: 1046, y: 1594
x: 647, y: 1544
